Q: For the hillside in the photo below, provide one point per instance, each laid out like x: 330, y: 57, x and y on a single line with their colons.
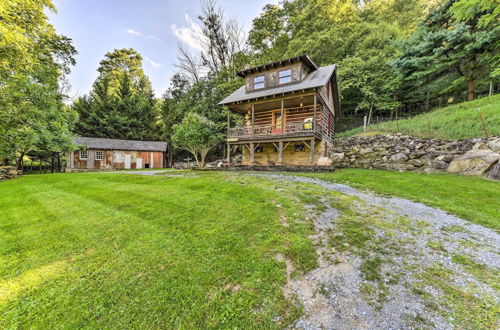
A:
x: 459, y: 121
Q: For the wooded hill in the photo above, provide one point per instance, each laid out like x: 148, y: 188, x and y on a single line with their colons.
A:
x: 394, y: 57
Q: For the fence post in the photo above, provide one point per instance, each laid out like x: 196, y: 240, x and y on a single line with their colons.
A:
x: 482, y: 121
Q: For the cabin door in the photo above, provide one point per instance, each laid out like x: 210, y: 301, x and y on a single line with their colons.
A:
x: 127, y: 162
x: 138, y: 163
x: 277, y: 122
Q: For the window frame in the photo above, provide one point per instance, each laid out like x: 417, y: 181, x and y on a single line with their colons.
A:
x: 99, y: 153
x: 80, y: 154
x: 259, y: 149
x: 288, y: 76
x: 263, y: 82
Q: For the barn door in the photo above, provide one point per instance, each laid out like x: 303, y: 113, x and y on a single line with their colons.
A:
x: 127, y: 161
x: 138, y: 163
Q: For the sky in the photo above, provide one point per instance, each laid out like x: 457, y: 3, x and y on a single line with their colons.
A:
x: 152, y: 27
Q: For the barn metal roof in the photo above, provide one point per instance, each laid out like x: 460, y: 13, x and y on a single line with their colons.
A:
x: 113, y: 144
x: 317, y: 78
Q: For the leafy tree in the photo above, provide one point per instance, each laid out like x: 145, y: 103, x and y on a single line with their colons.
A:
x: 33, y: 62
x: 197, y: 135
x: 446, y: 51
x: 121, y: 104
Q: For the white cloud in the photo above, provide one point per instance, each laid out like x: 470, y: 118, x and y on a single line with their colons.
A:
x: 142, y: 35
x: 152, y: 63
x: 191, y: 35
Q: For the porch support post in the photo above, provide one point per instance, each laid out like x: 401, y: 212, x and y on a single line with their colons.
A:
x: 280, y: 152
x: 253, y: 119
x: 282, y: 116
x: 314, y: 112
x: 228, y: 153
x: 252, y: 153
x: 311, y: 155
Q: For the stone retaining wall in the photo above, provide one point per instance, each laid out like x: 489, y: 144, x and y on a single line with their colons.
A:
x: 406, y: 153
x: 8, y: 172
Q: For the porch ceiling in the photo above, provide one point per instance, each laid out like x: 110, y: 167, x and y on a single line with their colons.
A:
x: 289, y: 102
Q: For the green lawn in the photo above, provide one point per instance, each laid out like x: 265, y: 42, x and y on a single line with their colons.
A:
x: 113, y: 250
x: 460, y: 121
x: 472, y: 198
x: 101, y: 250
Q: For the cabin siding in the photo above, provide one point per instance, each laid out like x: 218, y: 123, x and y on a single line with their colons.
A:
x: 115, y: 159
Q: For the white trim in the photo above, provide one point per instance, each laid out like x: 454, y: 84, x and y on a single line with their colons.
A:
x: 83, y: 152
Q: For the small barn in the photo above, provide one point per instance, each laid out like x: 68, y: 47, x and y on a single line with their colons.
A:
x: 112, y: 154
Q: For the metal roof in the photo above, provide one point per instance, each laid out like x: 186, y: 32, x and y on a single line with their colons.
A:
x: 113, y: 144
x: 264, y: 67
x: 318, y: 78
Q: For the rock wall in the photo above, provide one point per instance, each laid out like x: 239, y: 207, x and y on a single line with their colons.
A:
x: 405, y: 153
x: 8, y: 172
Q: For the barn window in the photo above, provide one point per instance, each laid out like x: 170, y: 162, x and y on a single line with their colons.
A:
x: 300, y: 147
x: 99, y: 155
x: 83, y: 154
x: 259, y: 82
x: 285, y: 76
x: 259, y: 149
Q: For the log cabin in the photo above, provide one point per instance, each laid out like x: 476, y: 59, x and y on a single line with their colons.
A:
x: 112, y: 154
x: 287, y: 111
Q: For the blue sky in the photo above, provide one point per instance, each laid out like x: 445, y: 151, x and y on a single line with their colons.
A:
x: 152, y: 27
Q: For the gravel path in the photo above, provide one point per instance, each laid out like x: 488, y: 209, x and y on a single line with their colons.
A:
x: 335, y: 295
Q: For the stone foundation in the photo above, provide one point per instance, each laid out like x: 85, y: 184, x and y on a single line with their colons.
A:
x: 405, y: 153
x: 8, y: 172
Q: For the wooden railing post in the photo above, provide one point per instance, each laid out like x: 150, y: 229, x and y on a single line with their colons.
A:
x: 282, y: 116
x: 253, y: 119
x: 314, y: 112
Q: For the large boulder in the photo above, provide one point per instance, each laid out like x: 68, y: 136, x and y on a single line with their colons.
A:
x: 494, y: 172
x: 474, y: 162
x: 324, y: 161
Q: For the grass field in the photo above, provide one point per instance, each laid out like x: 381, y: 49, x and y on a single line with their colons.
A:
x: 115, y: 250
x: 472, y: 198
x: 458, y: 121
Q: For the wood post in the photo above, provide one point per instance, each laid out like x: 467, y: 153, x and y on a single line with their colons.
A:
x: 282, y: 116
x: 314, y: 111
x: 228, y: 160
x: 252, y: 153
x: 311, y: 155
x: 280, y: 152
x: 253, y: 119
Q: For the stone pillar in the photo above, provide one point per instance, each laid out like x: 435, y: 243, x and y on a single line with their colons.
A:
x: 252, y: 153
x: 311, y: 155
x: 280, y: 153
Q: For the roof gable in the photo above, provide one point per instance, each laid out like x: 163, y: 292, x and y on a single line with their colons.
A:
x: 305, y: 59
x: 314, y: 79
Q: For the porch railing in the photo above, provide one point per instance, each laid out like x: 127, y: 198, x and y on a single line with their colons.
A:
x: 289, y: 129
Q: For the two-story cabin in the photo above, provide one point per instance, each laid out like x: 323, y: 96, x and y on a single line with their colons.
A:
x: 288, y: 109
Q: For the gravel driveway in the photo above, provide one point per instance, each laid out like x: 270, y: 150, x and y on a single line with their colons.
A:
x: 419, y: 268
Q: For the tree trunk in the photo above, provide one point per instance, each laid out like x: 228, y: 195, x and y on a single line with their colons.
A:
x: 19, y: 161
x: 370, y: 114
x: 470, y: 90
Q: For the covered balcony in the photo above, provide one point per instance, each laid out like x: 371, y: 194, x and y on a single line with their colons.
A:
x: 297, y: 116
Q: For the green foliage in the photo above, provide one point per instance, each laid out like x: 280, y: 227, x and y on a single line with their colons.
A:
x: 459, y: 121
x: 197, y: 135
x: 450, y: 52
x: 122, y: 104
x: 33, y: 62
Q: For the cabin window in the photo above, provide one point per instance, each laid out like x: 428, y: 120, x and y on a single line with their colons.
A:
x: 285, y: 76
x: 99, y: 155
x: 83, y: 154
x: 300, y: 147
x: 259, y: 82
x: 259, y: 149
